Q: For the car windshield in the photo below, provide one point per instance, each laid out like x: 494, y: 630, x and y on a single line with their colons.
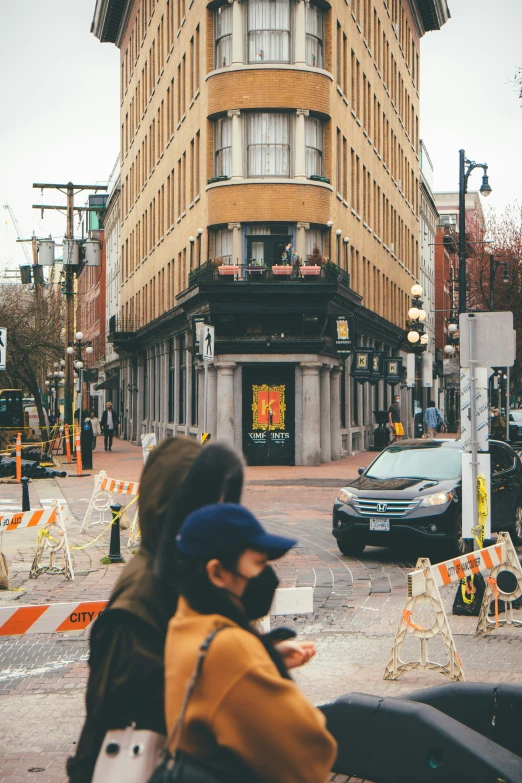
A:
x: 516, y: 416
x: 425, y: 463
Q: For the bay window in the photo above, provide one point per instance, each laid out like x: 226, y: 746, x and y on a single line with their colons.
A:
x: 223, y: 147
x: 223, y: 245
x: 268, y: 144
x: 223, y: 36
x: 269, y: 31
x: 314, y: 147
x: 314, y: 36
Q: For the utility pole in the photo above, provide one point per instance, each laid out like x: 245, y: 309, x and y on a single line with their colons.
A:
x: 70, y: 191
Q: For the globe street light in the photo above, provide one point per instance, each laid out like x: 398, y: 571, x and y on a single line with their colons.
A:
x: 485, y: 190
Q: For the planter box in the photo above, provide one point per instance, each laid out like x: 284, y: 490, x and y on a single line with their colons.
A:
x: 310, y: 270
x: 228, y: 270
x: 282, y: 269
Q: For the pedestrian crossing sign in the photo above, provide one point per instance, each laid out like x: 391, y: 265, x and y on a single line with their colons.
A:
x: 207, y: 343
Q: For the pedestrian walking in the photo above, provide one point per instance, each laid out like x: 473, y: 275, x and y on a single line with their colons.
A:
x: 96, y: 429
x: 433, y: 420
x: 126, y: 680
x: 498, y: 425
x: 246, y: 719
x: 394, y: 418
x: 109, y: 425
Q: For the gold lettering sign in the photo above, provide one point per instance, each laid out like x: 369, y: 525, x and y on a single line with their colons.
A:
x: 343, y: 333
x: 362, y: 360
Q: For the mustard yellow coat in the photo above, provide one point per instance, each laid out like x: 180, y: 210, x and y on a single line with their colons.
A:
x: 242, y: 704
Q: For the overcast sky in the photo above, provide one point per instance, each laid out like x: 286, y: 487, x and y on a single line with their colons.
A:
x: 60, y: 108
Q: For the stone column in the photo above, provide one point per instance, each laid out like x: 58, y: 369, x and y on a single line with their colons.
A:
x: 300, y: 33
x: 212, y: 403
x: 300, y: 138
x: 335, y: 413
x: 326, y: 439
x: 300, y: 240
x: 225, y: 401
x: 238, y: 43
x: 237, y: 147
x: 311, y: 426
x: 237, y: 250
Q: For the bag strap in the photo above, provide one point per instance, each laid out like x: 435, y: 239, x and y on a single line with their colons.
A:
x: 191, y: 687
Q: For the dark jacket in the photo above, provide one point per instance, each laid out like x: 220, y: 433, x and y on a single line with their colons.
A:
x: 126, y: 665
x: 126, y: 679
x: 115, y: 419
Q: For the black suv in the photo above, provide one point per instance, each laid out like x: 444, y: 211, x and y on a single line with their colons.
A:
x: 411, y: 493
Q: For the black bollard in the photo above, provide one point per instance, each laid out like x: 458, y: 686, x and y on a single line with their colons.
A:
x: 114, y: 547
x: 26, y: 504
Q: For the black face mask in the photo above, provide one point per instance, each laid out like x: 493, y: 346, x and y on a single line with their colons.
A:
x: 259, y: 593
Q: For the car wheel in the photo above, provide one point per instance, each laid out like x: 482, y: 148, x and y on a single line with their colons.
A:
x: 353, y: 547
x: 516, y: 530
x: 459, y: 546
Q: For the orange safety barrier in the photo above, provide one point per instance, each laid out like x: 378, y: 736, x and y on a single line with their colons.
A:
x: 68, y: 444
x: 78, y: 454
x: 19, y: 457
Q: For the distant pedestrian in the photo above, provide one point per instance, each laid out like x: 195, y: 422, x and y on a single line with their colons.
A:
x: 394, y: 418
x: 246, y: 720
x: 433, y: 420
x: 96, y: 429
x: 498, y: 425
x: 109, y: 425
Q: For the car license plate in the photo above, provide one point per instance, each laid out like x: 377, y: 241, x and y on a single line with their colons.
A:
x: 383, y: 525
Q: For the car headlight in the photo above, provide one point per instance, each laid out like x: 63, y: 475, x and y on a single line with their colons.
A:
x: 345, y: 496
x: 437, y: 499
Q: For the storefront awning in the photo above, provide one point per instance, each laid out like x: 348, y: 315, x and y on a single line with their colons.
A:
x: 110, y: 383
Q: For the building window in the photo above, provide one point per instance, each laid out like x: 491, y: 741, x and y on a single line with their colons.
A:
x: 223, y: 245
x: 268, y: 145
x: 223, y: 35
x: 314, y: 36
x: 314, y: 146
x: 269, y: 31
x: 223, y: 147
x: 314, y: 244
x: 182, y: 397
x: 172, y: 373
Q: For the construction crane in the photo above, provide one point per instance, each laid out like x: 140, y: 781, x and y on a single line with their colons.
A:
x: 19, y: 233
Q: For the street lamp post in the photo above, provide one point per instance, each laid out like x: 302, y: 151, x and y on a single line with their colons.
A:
x: 493, y: 266
x: 417, y: 338
x: 485, y: 189
x: 75, y: 349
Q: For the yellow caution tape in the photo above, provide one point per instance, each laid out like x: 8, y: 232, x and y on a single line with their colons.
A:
x: 479, y: 534
x: 111, y: 523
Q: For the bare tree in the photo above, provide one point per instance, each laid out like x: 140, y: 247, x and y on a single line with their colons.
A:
x: 34, y: 321
x: 505, y: 233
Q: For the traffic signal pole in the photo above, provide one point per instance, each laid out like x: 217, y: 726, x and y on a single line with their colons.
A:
x: 70, y: 190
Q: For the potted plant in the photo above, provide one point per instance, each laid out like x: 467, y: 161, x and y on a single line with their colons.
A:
x: 313, y: 265
x: 255, y: 268
x: 286, y: 267
x: 230, y: 271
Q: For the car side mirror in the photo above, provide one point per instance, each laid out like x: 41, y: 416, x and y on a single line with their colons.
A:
x: 360, y: 471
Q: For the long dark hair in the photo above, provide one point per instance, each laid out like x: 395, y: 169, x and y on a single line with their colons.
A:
x: 216, y: 475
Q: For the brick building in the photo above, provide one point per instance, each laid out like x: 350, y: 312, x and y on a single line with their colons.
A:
x: 447, y: 280
x: 255, y: 133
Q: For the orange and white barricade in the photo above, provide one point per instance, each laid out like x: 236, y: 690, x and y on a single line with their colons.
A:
x: 99, y: 508
x: 49, y: 618
x: 52, y: 541
x: 23, y: 519
x: 423, y: 587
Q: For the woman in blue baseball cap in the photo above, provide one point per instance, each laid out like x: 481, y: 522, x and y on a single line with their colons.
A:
x: 245, y: 719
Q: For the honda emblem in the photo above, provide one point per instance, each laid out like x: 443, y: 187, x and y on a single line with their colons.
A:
x: 382, y: 507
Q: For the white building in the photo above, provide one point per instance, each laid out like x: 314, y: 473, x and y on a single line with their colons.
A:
x: 429, y: 218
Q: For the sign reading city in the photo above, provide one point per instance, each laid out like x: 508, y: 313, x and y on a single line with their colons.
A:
x: 392, y: 370
x: 362, y: 364
x: 342, y: 339
x: 3, y: 347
